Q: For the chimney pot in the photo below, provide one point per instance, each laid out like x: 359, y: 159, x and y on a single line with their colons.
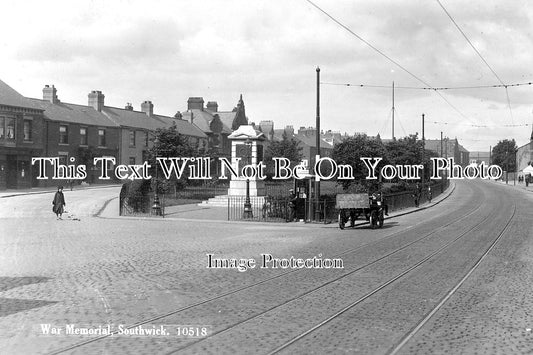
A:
x: 50, y: 94
x: 212, y: 106
x: 148, y: 108
x: 195, y: 103
x: 96, y: 100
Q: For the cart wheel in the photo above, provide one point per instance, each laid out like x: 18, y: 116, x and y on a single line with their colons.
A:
x: 341, y: 221
x: 372, y: 220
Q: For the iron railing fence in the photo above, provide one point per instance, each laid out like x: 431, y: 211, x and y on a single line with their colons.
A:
x: 143, y: 207
x: 277, y: 209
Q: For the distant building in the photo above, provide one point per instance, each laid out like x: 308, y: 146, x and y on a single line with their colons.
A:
x: 450, y: 148
x: 216, y: 125
x: 307, y: 139
x: 267, y: 128
x: 524, y: 155
x: 333, y: 137
x: 22, y: 130
x: 479, y: 157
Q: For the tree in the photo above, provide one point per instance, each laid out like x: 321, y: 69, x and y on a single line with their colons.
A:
x: 405, y: 151
x: 350, y: 151
x: 504, y: 154
x: 408, y: 151
x: 287, y: 148
x: 168, y: 142
x: 86, y: 157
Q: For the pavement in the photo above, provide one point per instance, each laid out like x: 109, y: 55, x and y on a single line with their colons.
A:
x: 50, y: 189
x: 192, y: 212
x: 516, y: 185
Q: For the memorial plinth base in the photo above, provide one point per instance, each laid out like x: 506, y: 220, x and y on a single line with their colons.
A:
x: 238, y: 188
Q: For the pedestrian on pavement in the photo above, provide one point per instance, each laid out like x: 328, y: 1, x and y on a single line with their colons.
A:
x: 292, y: 205
x: 417, y: 194
x: 59, y: 202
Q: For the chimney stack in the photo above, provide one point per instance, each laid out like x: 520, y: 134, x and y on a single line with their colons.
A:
x: 128, y: 106
x: 148, y: 108
x: 96, y: 100
x: 212, y: 106
x: 195, y: 103
x: 50, y: 94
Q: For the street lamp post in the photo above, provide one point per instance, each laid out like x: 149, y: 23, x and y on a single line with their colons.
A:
x: 156, y: 206
x: 248, y: 213
x: 317, y: 181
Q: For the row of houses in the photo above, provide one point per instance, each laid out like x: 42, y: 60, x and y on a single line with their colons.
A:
x: 48, y: 127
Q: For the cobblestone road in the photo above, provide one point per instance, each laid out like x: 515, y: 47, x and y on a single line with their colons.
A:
x: 99, y: 271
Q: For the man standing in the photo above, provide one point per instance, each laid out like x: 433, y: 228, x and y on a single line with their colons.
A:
x: 293, y: 199
x: 58, y: 202
x: 417, y: 194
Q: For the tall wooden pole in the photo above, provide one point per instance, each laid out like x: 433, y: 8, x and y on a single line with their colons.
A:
x: 393, y: 110
x: 440, y: 144
x: 423, y: 153
x: 317, y: 182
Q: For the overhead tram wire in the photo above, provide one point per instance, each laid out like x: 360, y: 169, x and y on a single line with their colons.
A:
x: 481, y: 126
x: 480, y: 56
x: 387, y: 57
x: 429, y: 88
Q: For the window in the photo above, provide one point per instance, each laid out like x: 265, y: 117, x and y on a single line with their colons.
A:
x: 83, y: 136
x: 132, y: 138
x: 63, y: 134
x: 10, y: 128
x: 63, y: 158
x: 2, y: 127
x: 101, y: 137
x: 27, y: 130
x: 132, y: 160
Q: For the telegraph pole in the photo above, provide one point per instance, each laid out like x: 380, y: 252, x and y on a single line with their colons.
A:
x: 440, y: 155
x: 440, y: 144
x: 423, y: 153
x: 317, y: 182
x: 393, y: 110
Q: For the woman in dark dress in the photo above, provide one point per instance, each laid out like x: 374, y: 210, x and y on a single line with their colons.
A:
x: 58, y: 202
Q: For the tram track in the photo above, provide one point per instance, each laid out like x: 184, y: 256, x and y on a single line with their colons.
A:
x: 443, y: 301
x: 399, y: 276
x: 309, y: 292
x: 264, y: 281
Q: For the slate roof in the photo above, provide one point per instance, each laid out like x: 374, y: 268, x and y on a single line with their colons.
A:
x: 72, y: 113
x: 202, y: 120
x: 186, y: 128
x: 134, y: 119
x: 227, y: 118
x: 139, y: 119
x: 10, y: 97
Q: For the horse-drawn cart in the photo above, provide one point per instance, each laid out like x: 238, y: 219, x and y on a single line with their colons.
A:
x: 351, y: 206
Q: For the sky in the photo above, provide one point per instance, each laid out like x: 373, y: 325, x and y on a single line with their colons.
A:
x: 268, y: 51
